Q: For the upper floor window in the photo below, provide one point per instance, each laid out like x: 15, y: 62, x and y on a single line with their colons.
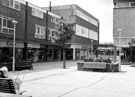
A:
x: 12, y: 4
x: 132, y: 4
x: 40, y: 32
x: 86, y: 17
x: 123, y: 5
x: 37, y: 13
x: 6, y: 25
x: 54, y: 20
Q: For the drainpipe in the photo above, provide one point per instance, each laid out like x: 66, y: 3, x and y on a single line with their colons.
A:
x: 25, y: 33
x: 46, y: 35
x: 50, y: 7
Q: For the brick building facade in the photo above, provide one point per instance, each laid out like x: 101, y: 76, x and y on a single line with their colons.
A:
x: 123, y: 26
x: 34, y: 30
x: 86, y: 29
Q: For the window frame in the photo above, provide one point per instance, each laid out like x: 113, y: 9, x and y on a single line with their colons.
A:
x: 131, y: 4
x: 5, y: 27
x: 40, y: 32
x: 11, y: 4
x: 37, y: 13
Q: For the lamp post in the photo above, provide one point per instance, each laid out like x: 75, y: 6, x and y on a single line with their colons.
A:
x: 14, y: 42
x: 119, y: 30
x: 92, y: 48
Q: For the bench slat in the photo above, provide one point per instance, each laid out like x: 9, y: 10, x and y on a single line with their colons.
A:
x: 7, y: 86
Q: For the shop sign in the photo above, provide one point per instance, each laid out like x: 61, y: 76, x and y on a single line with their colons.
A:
x: 42, y: 46
x: 18, y: 45
x: 34, y: 45
x: 9, y: 43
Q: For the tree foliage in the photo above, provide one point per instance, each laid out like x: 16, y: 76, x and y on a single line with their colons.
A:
x: 63, y: 33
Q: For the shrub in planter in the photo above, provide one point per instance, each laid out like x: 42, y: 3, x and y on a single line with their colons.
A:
x: 88, y: 59
x: 97, y: 60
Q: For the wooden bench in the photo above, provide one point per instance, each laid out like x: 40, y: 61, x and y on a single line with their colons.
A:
x: 94, y: 65
x: 7, y: 86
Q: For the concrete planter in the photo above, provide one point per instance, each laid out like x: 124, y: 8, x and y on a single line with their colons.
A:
x: 80, y: 66
x: 112, y: 67
x: 132, y: 64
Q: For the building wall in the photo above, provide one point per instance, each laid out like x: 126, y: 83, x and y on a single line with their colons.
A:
x: 123, y: 28
x: 27, y: 41
x: 31, y: 25
x: 18, y: 16
x: 78, y: 16
x: 123, y: 19
x: 86, y: 28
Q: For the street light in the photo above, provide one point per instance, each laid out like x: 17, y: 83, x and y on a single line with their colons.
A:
x: 119, y: 30
x: 13, y: 65
x: 92, y: 48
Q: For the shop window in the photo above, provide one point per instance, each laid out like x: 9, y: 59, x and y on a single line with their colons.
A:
x: 19, y: 54
x: 49, y: 53
x: 12, y: 4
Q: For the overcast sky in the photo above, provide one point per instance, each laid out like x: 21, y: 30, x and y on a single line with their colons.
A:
x: 101, y: 9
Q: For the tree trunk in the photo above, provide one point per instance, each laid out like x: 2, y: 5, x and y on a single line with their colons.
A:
x: 64, y: 59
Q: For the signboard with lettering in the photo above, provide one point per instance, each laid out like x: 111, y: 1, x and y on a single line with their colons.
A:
x: 30, y: 45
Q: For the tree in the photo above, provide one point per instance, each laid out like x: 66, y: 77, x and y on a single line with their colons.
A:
x: 62, y: 35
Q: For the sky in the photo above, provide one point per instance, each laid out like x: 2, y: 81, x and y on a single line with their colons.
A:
x: 101, y: 9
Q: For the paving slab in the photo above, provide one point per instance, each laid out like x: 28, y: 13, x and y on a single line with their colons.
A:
x: 72, y: 83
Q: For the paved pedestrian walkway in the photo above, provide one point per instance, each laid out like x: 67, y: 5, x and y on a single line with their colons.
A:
x: 72, y: 83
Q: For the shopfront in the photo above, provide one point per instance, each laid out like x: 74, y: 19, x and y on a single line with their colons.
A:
x: 42, y: 53
x: 34, y: 52
x: 6, y: 51
x: 53, y: 53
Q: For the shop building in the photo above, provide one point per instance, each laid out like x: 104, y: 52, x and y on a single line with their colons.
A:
x: 33, y: 35
x: 123, y: 27
x: 40, y: 25
x: 86, y: 30
x: 10, y: 11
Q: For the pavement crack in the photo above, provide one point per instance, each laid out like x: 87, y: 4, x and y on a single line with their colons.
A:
x: 38, y: 78
x: 101, y: 79
x: 68, y: 92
